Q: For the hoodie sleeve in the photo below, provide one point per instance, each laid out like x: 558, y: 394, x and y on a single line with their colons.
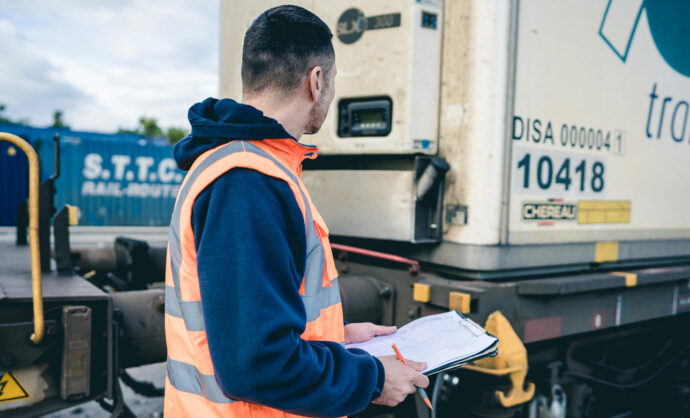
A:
x: 250, y: 241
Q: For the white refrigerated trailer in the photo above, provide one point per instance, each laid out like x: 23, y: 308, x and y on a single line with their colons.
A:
x: 528, y: 157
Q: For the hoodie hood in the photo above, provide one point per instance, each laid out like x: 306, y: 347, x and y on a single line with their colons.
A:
x: 216, y: 122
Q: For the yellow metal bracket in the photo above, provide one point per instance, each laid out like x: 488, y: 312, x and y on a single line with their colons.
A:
x: 36, y: 283
x: 73, y: 215
x: 606, y: 252
x: 511, y: 360
x: 630, y: 278
x: 421, y: 292
x: 459, y: 301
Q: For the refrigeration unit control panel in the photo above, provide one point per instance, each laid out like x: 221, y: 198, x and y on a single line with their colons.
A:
x: 364, y: 117
x: 388, y: 56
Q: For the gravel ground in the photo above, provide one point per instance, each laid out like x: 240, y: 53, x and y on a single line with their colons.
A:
x: 141, y: 406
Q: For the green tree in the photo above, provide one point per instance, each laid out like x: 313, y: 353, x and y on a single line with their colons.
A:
x: 128, y: 131
x: 3, y: 118
x: 57, y: 120
x: 174, y: 134
x: 149, y: 127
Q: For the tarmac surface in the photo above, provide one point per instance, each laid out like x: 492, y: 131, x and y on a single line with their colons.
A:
x: 141, y: 406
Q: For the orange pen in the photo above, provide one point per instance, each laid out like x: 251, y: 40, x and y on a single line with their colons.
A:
x: 420, y: 390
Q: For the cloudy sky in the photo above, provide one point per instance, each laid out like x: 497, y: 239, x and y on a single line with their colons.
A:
x: 106, y: 63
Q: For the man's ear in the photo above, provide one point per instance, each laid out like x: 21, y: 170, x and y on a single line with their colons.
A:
x: 316, y: 83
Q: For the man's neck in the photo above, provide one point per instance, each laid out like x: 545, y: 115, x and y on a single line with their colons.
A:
x: 286, y: 112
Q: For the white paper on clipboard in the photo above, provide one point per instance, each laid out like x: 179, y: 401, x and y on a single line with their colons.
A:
x: 443, y: 341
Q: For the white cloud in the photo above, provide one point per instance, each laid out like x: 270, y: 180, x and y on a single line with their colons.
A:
x: 31, y: 86
x: 107, y: 63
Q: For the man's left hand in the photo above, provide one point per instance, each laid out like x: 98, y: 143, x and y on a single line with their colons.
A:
x: 364, y: 331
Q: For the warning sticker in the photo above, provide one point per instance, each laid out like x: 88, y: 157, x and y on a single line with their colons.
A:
x: 11, y: 389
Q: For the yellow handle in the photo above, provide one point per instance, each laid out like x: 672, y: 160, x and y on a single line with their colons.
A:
x: 36, y: 284
x: 511, y: 360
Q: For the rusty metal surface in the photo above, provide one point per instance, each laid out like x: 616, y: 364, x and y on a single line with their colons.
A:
x: 140, y: 315
x: 75, y: 382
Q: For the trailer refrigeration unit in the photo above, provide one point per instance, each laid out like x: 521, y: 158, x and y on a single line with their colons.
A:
x: 528, y: 162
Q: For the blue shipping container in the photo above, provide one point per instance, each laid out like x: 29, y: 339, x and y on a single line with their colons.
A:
x: 14, y: 182
x: 114, y: 179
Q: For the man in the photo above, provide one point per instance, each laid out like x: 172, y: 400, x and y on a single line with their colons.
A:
x: 254, y: 323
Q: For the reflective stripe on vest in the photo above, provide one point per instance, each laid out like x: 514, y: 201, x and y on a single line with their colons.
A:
x: 193, y: 373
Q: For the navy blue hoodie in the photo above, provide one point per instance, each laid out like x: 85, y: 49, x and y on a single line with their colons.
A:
x: 251, y: 251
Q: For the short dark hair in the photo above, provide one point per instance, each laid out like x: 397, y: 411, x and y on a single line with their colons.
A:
x: 280, y: 47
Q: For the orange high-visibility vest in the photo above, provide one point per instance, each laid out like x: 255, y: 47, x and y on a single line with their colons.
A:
x: 190, y: 388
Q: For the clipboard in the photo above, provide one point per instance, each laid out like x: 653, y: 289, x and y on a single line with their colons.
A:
x: 444, y: 341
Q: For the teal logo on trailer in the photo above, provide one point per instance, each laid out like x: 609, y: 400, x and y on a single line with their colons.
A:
x: 669, y: 24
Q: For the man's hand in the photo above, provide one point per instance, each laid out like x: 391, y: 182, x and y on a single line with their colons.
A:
x: 400, y: 380
x: 365, y: 331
